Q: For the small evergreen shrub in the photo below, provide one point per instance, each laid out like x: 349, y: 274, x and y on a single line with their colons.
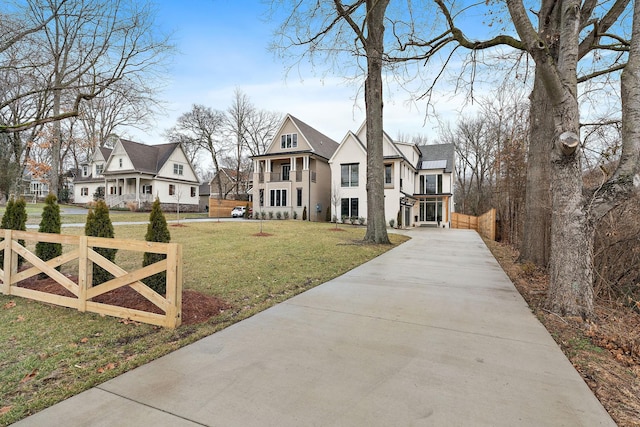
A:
x: 278, y: 215
x: 304, y: 213
x: 14, y: 218
x: 392, y: 222
x: 286, y: 214
x: 99, y: 225
x: 295, y: 214
x: 6, y: 225
x: 263, y: 215
x: 19, y: 221
x: 50, y: 223
x: 361, y: 220
x: 270, y: 215
x: 157, y: 231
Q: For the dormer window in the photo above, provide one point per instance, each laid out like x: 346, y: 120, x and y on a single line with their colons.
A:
x: 99, y: 169
x: 85, y: 170
x: 289, y: 140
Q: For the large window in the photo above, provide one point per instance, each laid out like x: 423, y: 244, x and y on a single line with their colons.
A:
x: 349, y: 175
x: 298, y: 197
x: 289, y: 140
x: 278, y: 198
x: 431, y: 210
x: 431, y: 184
x: 349, y: 207
x: 178, y: 169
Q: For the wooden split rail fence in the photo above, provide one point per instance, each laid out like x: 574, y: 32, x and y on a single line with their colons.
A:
x: 484, y: 224
x: 83, y: 291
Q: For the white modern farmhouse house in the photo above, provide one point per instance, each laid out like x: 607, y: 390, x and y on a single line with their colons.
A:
x: 418, y: 181
x: 135, y: 174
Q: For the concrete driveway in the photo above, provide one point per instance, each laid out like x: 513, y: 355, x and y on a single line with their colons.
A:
x: 432, y: 333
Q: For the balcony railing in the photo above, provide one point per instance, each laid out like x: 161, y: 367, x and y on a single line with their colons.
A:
x: 278, y: 177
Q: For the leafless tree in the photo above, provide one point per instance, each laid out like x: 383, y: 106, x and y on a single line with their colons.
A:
x: 84, y: 47
x: 203, y: 128
x: 260, y: 128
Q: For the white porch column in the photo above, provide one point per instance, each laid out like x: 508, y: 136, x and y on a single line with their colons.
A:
x: 292, y: 161
x: 138, y: 191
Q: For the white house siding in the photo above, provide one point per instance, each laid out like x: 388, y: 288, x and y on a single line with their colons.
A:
x: 91, y: 187
x: 178, y: 157
x: 350, y: 152
x: 182, y: 192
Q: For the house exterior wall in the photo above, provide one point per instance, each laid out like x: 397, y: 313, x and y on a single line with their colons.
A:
x: 290, y: 178
x: 177, y: 158
x: 350, y: 152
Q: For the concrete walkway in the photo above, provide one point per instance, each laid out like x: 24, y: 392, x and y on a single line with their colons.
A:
x: 431, y: 333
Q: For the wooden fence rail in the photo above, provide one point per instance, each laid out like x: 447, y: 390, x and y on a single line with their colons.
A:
x: 484, y: 224
x: 170, y: 303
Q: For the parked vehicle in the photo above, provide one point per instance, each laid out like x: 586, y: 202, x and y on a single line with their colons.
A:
x: 238, y: 212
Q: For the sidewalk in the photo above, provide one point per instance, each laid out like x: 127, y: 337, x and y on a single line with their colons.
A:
x: 432, y: 333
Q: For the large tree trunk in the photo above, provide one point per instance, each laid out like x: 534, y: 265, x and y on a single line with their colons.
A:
x: 537, y: 216
x: 376, y: 222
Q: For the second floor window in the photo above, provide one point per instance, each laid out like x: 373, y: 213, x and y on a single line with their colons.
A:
x: 99, y: 169
x: 85, y: 170
x: 431, y: 184
x: 178, y: 169
x: 388, y: 174
x: 120, y: 162
x: 289, y: 140
x: 349, y: 175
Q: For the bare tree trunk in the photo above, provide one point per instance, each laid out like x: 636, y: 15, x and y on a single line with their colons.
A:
x: 537, y: 217
x: 376, y: 222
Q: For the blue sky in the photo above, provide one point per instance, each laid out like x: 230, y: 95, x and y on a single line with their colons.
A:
x: 223, y: 45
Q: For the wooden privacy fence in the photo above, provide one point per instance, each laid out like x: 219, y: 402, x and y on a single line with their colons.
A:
x: 170, y: 304
x: 484, y: 224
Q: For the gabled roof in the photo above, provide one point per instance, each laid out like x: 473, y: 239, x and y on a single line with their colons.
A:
x: 148, y: 158
x: 433, y: 157
x: 106, y: 152
x: 320, y: 143
x: 349, y: 136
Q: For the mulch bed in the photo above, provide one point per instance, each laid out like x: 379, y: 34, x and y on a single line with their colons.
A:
x: 196, y: 307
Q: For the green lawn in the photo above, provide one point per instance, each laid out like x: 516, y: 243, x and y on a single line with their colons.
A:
x: 34, y: 214
x: 49, y: 353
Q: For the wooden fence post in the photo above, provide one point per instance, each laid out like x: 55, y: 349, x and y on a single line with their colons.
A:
x: 6, y: 247
x: 84, y: 278
x: 174, y: 285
